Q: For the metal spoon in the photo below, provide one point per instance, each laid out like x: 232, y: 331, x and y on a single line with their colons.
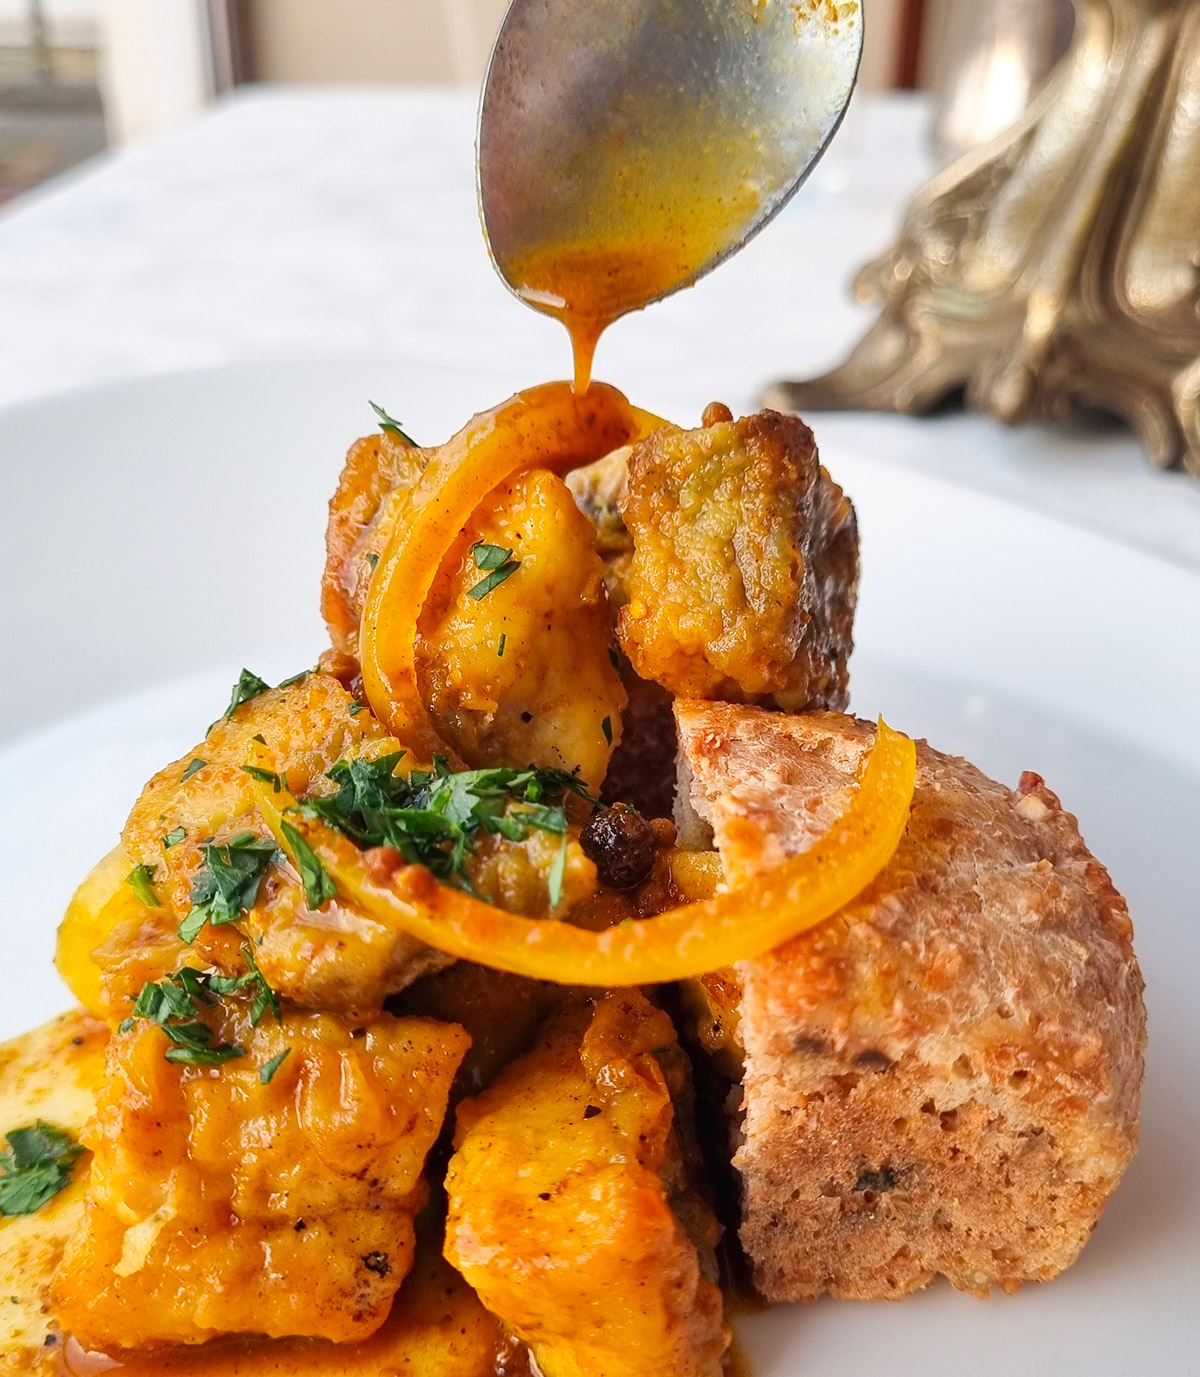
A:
x: 626, y: 147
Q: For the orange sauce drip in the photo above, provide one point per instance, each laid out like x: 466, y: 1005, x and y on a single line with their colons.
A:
x: 590, y: 284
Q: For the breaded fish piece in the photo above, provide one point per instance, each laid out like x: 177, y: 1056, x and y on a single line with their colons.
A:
x: 744, y: 573
x: 946, y: 1077
x: 570, y: 1209
x: 273, y: 1194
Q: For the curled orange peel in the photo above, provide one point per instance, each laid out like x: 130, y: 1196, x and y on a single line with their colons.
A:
x: 548, y: 427
x: 96, y: 906
x: 683, y: 942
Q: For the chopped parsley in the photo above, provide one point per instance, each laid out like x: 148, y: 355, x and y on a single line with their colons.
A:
x: 318, y: 887
x: 498, y: 564
x: 355, y: 709
x: 267, y: 1073
x: 174, y: 837
x: 293, y: 679
x: 277, y: 782
x: 432, y: 817
x: 192, y: 767
x: 265, y: 998
x: 177, y: 1003
x: 606, y: 728
x: 226, y: 885
x: 390, y: 426
x: 372, y: 558
x: 248, y: 686
x: 554, y: 881
x: 141, y: 880
x: 36, y: 1167
x: 503, y: 643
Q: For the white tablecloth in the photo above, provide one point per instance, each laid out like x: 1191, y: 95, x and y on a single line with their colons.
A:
x: 316, y: 222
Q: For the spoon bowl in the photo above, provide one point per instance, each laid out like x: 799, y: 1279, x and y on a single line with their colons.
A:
x: 626, y: 147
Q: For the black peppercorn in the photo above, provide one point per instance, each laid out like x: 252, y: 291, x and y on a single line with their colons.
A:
x: 622, y: 845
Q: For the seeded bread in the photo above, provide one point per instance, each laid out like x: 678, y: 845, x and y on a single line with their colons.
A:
x: 946, y: 1077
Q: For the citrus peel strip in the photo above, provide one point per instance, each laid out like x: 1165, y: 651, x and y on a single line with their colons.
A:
x: 95, y: 908
x: 545, y: 427
x: 683, y: 942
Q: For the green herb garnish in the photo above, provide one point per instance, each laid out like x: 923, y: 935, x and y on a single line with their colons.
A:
x: 554, y: 881
x: 141, y: 880
x: 248, y: 686
x: 372, y: 559
x: 432, y: 817
x: 265, y: 998
x: 192, y: 767
x: 389, y: 426
x: 277, y: 782
x: 267, y: 1072
x: 499, y: 564
x: 318, y: 887
x: 294, y: 679
x: 36, y: 1167
x: 178, y: 1002
x: 503, y: 643
x: 355, y: 709
x: 174, y: 837
x: 175, y: 1004
x: 226, y: 885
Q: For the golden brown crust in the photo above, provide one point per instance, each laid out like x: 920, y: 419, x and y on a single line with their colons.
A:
x: 744, y: 572
x: 945, y: 1078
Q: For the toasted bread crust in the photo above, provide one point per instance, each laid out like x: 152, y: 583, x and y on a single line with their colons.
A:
x: 946, y: 1077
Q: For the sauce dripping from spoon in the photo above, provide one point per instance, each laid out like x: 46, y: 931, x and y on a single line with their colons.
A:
x: 590, y: 284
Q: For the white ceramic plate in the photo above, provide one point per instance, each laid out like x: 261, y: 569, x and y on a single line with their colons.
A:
x: 158, y: 535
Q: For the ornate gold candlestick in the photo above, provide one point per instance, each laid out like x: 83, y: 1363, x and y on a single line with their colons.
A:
x: 1058, y: 266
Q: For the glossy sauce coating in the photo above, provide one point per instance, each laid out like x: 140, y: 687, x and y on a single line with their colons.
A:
x: 437, y: 1329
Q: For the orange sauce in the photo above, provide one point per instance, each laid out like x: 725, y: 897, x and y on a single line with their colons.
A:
x: 655, y: 243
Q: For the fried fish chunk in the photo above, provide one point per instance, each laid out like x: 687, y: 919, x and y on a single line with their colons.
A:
x: 594, y: 1250
x: 520, y: 672
x: 743, y: 577
x: 331, y: 957
x: 523, y: 671
x: 273, y: 1193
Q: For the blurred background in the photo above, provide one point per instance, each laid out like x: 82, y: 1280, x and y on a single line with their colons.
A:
x: 79, y: 75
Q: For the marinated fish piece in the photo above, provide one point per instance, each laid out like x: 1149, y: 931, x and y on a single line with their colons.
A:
x: 592, y: 1246
x: 743, y: 578
x: 946, y: 1077
x: 198, y: 827
x: 516, y: 646
x: 50, y: 1074
x: 437, y: 1328
x: 327, y: 956
x: 516, y: 640
x: 265, y: 1186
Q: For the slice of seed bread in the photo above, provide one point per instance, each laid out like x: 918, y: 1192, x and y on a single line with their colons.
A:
x: 945, y: 1078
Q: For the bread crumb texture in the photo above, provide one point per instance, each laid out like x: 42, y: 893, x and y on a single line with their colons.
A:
x: 944, y: 1079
